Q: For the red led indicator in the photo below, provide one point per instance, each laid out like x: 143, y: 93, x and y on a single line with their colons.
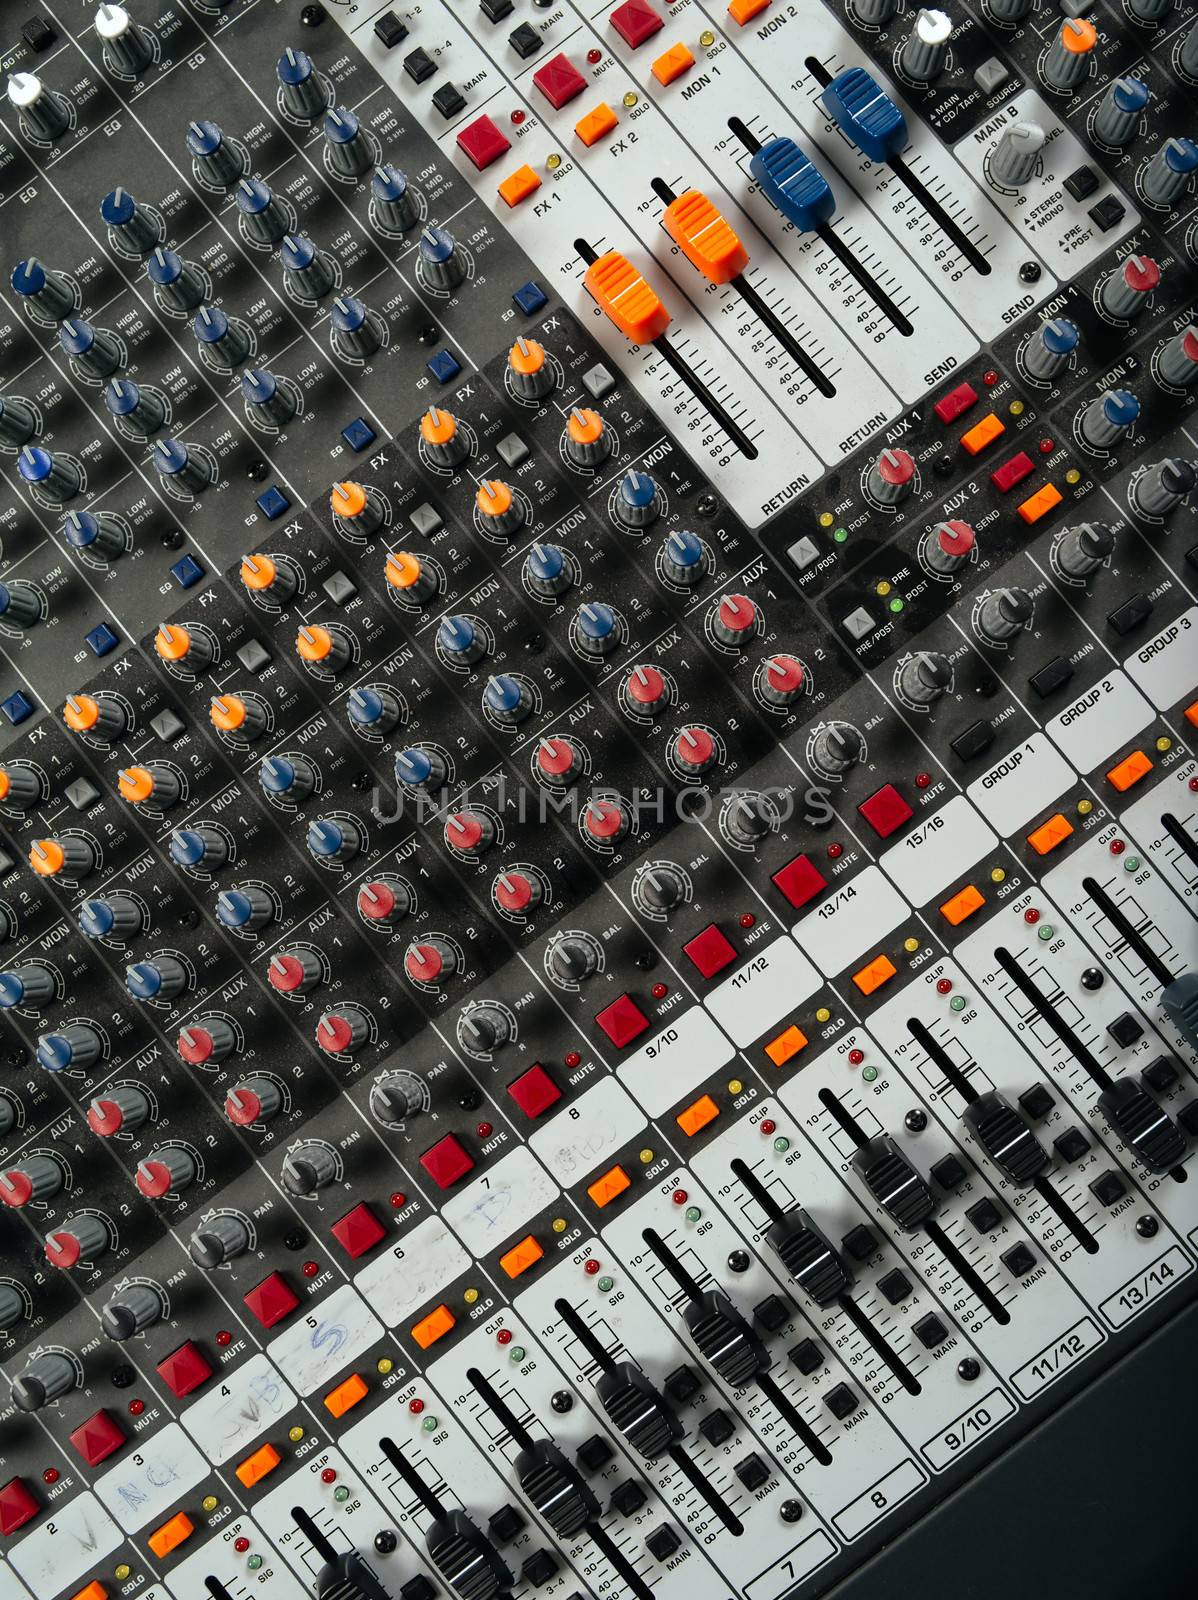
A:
x: 1031, y: 916
x: 1117, y: 847
x: 504, y: 1336
x: 518, y: 117
x: 310, y: 1268
x: 398, y: 1201
x: 769, y: 1126
x: 660, y: 990
x: 747, y: 919
x: 50, y: 1475
x: 329, y: 1475
x: 416, y: 1407
x: 679, y: 1197
x: 835, y: 851
x: 990, y: 378
x: 224, y: 1337
x: 922, y: 779
x: 485, y: 1130
x: 944, y: 985
x: 594, y: 57
x: 136, y: 1407
x: 592, y: 1266
x: 1047, y: 446
x: 856, y: 1057
x: 241, y: 1545
x: 573, y: 1059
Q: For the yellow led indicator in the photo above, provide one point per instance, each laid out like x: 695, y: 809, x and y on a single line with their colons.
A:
x: 1073, y: 476
x: 553, y: 162
x: 646, y: 1156
x: 826, y: 519
x: 1164, y: 743
x: 1084, y: 807
x: 707, y: 38
x: 558, y: 1224
x: 209, y: 1503
x: 823, y: 1014
x: 735, y: 1086
x: 122, y: 1572
x: 630, y: 99
x: 882, y: 587
x: 1017, y: 408
x: 910, y: 946
x: 470, y: 1296
x: 384, y: 1365
x: 997, y: 875
x: 295, y: 1434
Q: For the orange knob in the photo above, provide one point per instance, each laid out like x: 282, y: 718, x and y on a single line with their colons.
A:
x: 403, y: 569
x: 437, y: 426
x: 348, y: 499
x: 526, y: 356
x: 705, y: 238
x: 623, y: 295
x: 81, y: 713
x: 227, y: 712
x: 135, y: 784
x: 172, y: 642
x: 258, y: 572
x: 314, y: 643
x: 47, y: 857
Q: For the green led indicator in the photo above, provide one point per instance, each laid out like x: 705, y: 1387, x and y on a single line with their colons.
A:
x: 869, y: 1073
x: 1045, y: 931
x: 516, y: 1354
x: 693, y: 1213
x: 606, y: 1285
x: 839, y: 535
x: 341, y: 1494
x: 896, y: 605
x: 957, y: 1003
x: 254, y: 1563
x: 430, y: 1424
x: 781, y: 1144
x: 1131, y: 863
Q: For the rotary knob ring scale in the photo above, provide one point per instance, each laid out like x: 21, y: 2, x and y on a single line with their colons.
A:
x: 572, y: 957
x: 658, y: 887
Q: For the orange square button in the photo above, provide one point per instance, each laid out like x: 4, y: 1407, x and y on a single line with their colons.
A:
x: 171, y: 1534
x: 433, y: 1327
x: 962, y: 905
x: 596, y: 124
x: 788, y: 1043
x: 696, y: 1117
x: 742, y: 11
x: 519, y: 185
x: 1050, y: 834
x: 521, y: 1256
x: 605, y: 1189
x: 258, y: 1466
x: 1129, y: 771
x: 676, y: 60
x: 880, y: 970
x: 346, y: 1395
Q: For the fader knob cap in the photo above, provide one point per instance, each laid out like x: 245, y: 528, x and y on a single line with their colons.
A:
x: 547, y: 571
x: 76, y: 1047
x: 1016, y: 156
x: 836, y: 747
x: 640, y: 1412
x: 309, y: 1167
x: 166, y: 1171
x: 121, y: 1110
x: 384, y: 902
x: 308, y: 272
x: 867, y: 116
x: 555, y: 1488
x: 1117, y: 115
x: 1136, y: 1119
x: 43, y: 114
x: 131, y: 1311
x: 222, y: 1238
x: 586, y: 438
x: 922, y: 679
x: 1006, y: 1138
x: 724, y: 1339
x: 442, y: 263
x: 1050, y: 348
x: 530, y: 373
x: 1082, y: 550
x: 127, y: 47
x: 215, y: 158
x: 46, y: 1379
x: 894, y: 1183
x: 1162, y: 487
x: 254, y: 1100
x: 304, y: 92
x: 684, y: 559
x: 392, y: 203
x: 810, y: 1257
x: 1003, y: 614
x: 638, y: 501
x: 465, y: 1558
x: 349, y: 1576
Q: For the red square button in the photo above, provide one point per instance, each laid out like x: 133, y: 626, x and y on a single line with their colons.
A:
x: 534, y: 1091
x: 358, y: 1231
x: 800, y: 880
x: 956, y: 402
x: 635, y: 21
x: 17, y: 1506
x: 622, y: 1021
x: 185, y: 1369
x: 710, y: 951
x: 446, y: 1162
x: 1011, y: 472
x: 98, y: 1438
x: 885, y: 811
x: 483, y: 142
x: 272, y: 1300
x: 559, y: 80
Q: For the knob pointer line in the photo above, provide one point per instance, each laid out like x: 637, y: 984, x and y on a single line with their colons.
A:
x: 825, y: 232
x: 664, y: 349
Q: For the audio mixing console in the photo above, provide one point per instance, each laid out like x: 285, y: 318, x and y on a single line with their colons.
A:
x: 598, y: 789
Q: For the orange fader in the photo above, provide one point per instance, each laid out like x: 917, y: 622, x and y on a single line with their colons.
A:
x: 620, y: 291
x: 705, y: 237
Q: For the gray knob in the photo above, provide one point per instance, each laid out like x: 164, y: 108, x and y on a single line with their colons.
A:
x: 1188, y: 55
x: 46, y: 1379
x: 216, y: 159
x: 923, y: 678
x: 127, y: 47
x: 253, y: 1100
x: 837, y: 746
x: 1050, y: 348
x: 121, y: 1110
x: 392, y: 203
x: 77, y: 1046
x: 357, y: 331
x: 201, y: 847
x: 873, y: 13
x: 220, y: 1239
x: 660, y: 887
x: 20, y: 790
x: 224, y: 341
x: 12, y: 1307
x: 1150, y: 11
x: 1124, y: 292
x: 1007, y: 11
x: 441, y: 259
x: 892, y: 477
x: 138, y: 411
x: 179, y: 285
x: 1162, y: 487
x: 1004, y: 613
x: 349, y: 147
x: 309, y: 1167
x: 1107, y: 418
x: 1067, y: 59
x: 18, y: 421
x: 1167, y: 176
x: 115, y: 916
x: 94, y: 352
x: 572, y: 958
x: 20, y: 604
x: 484, y: 1028
x: 948, y: 548
x: 1177, y: 363
x: 166, y: 1171
x: 926, y: 46
x: 131, y: 1311
x: 43, y: 114
x: 396, y: 1097
x: 8, y: 1121
x: 36, y: 1178
x: 746, y: 819
x: 1016, y: 156
x: 130, y: 224
x: 305, y: 93
x: 1082, y: 550
x: 310, y: 273
x: 1118, y: 114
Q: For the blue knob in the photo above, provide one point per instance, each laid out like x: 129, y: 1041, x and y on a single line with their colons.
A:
x: 297, y: 252
x: 210, y: 325
x: 54, y: 1052
x: 596, y: 621
x: 117, y: 208
x: 460, y: 639
x: 28, y: 277
x: 258, y: 387
x: 12, y: 990
x: 863, y: 111
x: 234, y: 909
x: 414, y: 767
x: 96, y: 919
x: 143, y: 980
x: 203, y: 138
x: 436, y: 244
x: 1130, y: 95
x: 35, y: 464
x: 122, y: 396
x: 1060, y: 336
x: 170, y: 456
x: 348, y: 314
x: 1121, y: 408
x: 81, y: 529
x: 332, y: 840
x: 545, y: 564
x: 637, y: 489
x: 503, y: 695
x: 797, y: 187
x: 388, y: 184
x: 187, y: 847
x: 76, y: 337
x: 277, y: 774
x: 294, y: 67
x: 366, y: 707
x: 164, y: 266
x: 253, y: 196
